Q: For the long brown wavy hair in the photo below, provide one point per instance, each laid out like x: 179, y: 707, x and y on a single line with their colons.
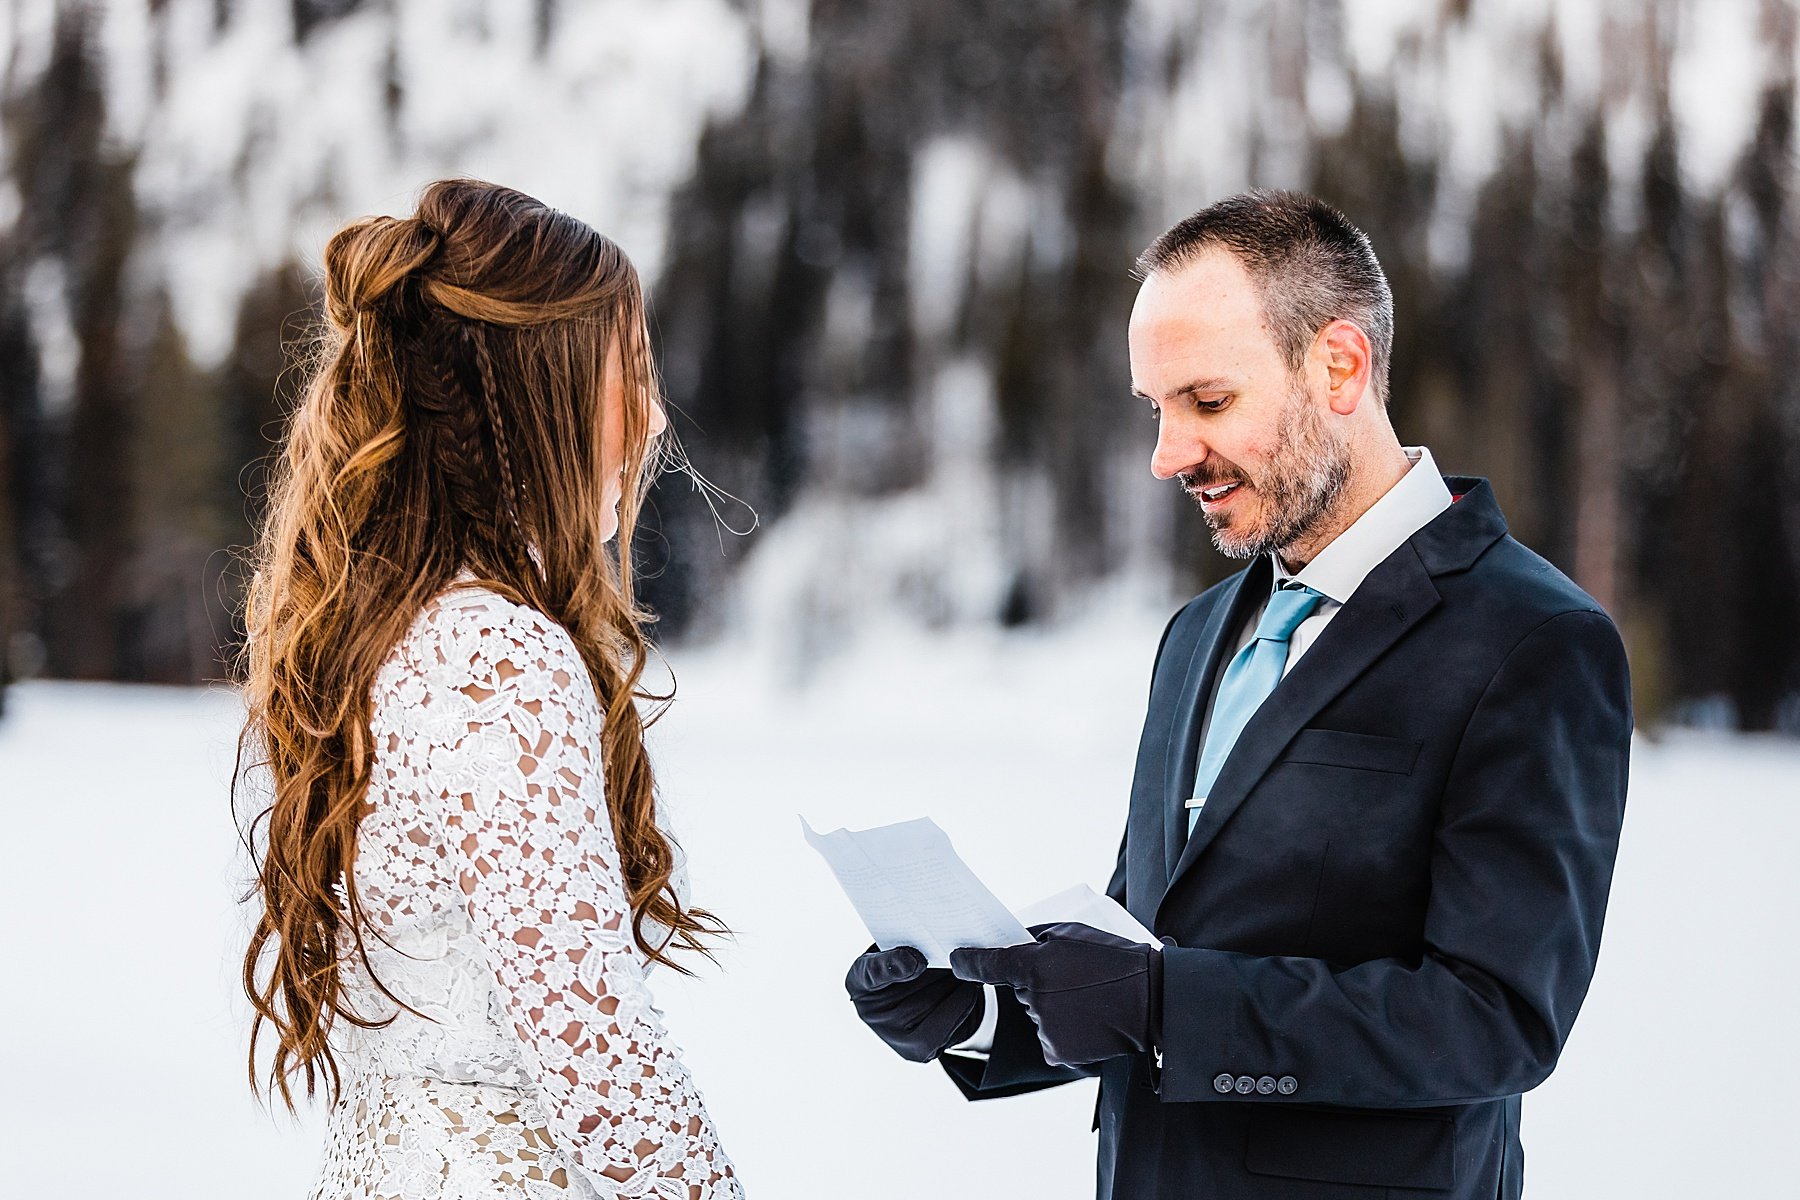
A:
x: 452, y: 421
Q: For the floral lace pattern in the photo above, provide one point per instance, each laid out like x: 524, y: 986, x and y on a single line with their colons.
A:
x: 535, y: 1064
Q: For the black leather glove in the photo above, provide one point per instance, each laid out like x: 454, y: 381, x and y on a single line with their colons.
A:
x: 918, y: 1010
x: 1092, y: 995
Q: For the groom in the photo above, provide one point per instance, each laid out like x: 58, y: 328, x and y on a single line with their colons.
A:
x: 1377, y: 797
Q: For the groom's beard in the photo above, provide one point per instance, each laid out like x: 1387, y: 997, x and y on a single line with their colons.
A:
x: 1295, y: 493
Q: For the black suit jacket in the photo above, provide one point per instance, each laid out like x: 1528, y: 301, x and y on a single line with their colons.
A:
x: 1381, y: 929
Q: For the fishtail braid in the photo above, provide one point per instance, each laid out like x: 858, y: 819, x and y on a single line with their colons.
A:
x: 444, y: 397
x: 488, y: 395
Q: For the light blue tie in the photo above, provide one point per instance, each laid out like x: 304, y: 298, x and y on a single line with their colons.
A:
x: 1249, y: 679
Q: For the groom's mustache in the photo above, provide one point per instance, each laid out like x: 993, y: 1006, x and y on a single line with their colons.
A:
x: 1191, y: 482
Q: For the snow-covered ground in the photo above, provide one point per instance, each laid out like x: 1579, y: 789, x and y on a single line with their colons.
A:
x: 123, y: 1037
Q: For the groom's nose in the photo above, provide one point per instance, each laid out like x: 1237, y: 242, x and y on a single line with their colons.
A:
x: 1178, y: 447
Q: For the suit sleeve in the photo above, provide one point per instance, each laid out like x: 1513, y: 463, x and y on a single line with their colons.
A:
x: 1520, y: 871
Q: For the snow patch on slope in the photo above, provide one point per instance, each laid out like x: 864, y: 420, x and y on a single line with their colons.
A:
x: 253, y: 149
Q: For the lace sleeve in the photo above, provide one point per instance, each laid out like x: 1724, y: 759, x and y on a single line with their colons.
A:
x: 531, y: 841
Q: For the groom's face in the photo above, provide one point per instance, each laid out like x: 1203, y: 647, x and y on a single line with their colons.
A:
x: 1244, y: 434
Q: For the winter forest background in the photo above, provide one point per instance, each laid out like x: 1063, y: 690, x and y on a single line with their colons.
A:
x: 888, y: 248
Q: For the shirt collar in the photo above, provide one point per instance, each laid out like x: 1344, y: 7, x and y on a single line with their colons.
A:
x: 1407, y: 507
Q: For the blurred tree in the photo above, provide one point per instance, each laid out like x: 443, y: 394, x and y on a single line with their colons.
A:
x: 77, y: 216
x: 178, y: 612
x: 18, y: 474
x: 310, y: 15
x: 798, y: 221
x: 256, y: 388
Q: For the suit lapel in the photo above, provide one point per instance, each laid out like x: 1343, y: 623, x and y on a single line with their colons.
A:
x: 1391, y: 600
x: 1204, y: 664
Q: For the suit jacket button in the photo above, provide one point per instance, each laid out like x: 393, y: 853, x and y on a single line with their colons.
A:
x: 1287, y: 1085
x: 1246, y: 1084
x: 1223, y: 1084
x: 1265, y: 1085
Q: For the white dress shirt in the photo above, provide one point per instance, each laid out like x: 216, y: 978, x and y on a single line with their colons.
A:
x: 1335, y: 572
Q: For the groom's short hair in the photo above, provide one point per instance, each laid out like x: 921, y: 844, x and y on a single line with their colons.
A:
x: 1311, y: 267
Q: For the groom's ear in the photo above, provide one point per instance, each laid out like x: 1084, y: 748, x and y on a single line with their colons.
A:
x: 1343, y: 349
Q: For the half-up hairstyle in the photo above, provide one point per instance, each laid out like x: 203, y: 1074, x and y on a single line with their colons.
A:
x: 452, y: 422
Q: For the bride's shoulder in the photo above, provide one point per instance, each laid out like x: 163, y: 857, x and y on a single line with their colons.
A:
x: 466, y: 632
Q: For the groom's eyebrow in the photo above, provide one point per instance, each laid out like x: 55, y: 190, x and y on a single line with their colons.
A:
x: 1211, y: 383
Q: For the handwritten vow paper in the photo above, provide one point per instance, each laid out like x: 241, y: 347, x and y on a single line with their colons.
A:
x: 911, y: 888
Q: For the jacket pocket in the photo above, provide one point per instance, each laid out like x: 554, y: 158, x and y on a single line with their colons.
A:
x: 1363, y: 751
x: 1373, y: 1149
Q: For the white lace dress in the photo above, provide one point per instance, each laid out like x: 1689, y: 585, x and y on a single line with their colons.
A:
x: 487, y: 864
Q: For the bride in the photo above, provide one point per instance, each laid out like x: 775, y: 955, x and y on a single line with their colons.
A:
x: 462, y: 876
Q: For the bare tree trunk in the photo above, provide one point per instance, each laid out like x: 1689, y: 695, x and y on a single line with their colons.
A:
x: 1597, y: 507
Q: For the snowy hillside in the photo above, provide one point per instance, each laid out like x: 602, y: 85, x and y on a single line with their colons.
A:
x: 889, y: 251
x: 253, y: 144
x: 124, y: 1037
